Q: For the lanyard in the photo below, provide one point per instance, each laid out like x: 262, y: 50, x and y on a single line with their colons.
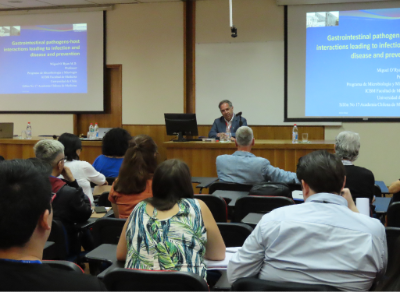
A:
x: 21, y: 261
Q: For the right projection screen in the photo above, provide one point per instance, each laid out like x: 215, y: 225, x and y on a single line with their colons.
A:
x: 343, y: 62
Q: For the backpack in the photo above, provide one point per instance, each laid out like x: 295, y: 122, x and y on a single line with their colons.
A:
x: 271, y: 189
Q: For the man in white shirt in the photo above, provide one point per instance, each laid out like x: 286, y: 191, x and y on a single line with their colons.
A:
x: 323, y: 241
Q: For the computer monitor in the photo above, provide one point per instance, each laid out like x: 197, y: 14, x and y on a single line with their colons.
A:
x: 181, y: 124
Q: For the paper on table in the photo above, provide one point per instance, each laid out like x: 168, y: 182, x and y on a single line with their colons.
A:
x: 363, y: 205
x: 297, y: 195
x: 222, y: 265
x: 233, y: 249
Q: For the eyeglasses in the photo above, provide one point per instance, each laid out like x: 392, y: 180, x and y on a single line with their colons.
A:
x: 64, y: 159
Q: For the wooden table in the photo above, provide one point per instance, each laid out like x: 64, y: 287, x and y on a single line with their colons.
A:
x: 201, y: 156
x: 13, y: 148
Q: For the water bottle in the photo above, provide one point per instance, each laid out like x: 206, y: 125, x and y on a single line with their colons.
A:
x: 28, y: 131
x: 228, y: 133
x: 96, y: 131
x: 295, y: 134
x: 91, y: 131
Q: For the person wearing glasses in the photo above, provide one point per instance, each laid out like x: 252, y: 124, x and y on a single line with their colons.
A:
x: 70, y: 205
x: 83, y: 171
x: 25, y: 223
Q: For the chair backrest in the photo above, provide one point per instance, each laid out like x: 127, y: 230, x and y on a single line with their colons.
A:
x: 64, y: 265
x: 224, y: 186
x: 59, y: 235
x: 234, y: 234
x: 141, y: 280
x: 393, y: 215
x: 110, y: 180
x: 217, y: 206
x: 103, y: 200
x: 254, y: 284
x: 393, y: 240
x: 107, y: 230
x: 258, y: 204
x: 377, y: 191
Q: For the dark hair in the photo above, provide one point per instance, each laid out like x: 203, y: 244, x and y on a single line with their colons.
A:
x: 322, y: 171
x: 41, y: 166
x: 71, y: 143
x: 139, y: 164
x: 1, y: 158
x: 25, y: 193
x: 171, y: 182
x: 116, y: 142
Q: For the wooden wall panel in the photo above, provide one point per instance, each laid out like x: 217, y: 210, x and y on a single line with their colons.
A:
x: 277, y: 132
x: 157, y: 132
x: 201, y: 156
x: 112, y: 116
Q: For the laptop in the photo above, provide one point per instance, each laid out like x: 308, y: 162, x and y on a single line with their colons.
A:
x: 6, y: 130
x: 102, y: 132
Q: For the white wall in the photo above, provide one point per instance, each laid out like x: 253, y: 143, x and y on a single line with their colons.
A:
x: 249, y: 69
x: 147, y: 39
x: 41, y: 124
x: 379, y: 142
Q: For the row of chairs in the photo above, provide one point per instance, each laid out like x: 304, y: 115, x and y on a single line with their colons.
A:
x: 138, y: 280
x: 120, y: 279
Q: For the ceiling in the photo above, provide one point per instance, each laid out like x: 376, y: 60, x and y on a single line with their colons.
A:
x: 15, y: 4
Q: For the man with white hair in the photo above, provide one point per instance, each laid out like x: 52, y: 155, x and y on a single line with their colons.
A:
x: 359, y: 180
x: 70, y: 204
x: 245, y: 168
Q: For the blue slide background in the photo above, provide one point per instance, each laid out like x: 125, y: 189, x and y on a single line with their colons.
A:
x: 15, y: 65
x: 328, y: 72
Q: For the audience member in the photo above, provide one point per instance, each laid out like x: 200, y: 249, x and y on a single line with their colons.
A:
x: 323, y: 241
x: 359, y: 180
x: 135, y: 176
x: 171, y: 230
x: 243, y: 167
x: 70, y: 205
x: 115, y: 143
x: 25, y: 222
x: 394, y: 189
x: 83, y: 171
x: 1, y: 158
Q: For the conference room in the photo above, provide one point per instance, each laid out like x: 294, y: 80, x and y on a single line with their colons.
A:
x: 179, y: 57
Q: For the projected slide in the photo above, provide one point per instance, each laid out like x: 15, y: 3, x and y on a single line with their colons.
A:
x: 353, y: 63
x: 43, y: 59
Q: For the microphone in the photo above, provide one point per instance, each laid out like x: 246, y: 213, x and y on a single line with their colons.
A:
x: 239, y: 114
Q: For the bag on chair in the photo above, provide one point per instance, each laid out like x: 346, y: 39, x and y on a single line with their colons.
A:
x: 271, y: 189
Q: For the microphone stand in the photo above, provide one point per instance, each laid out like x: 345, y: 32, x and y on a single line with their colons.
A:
x: 240, y: 121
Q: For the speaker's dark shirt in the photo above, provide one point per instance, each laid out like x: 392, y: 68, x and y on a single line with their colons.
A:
x: 360, y: 181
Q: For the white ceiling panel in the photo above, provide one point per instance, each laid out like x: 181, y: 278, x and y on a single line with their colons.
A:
x: 152, y: 1
x: 12, y: 4
x: 112, y: 1
x: 23, y: 3
x: 66, y: 2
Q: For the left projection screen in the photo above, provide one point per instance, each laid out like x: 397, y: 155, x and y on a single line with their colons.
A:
x: 52, y: 62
